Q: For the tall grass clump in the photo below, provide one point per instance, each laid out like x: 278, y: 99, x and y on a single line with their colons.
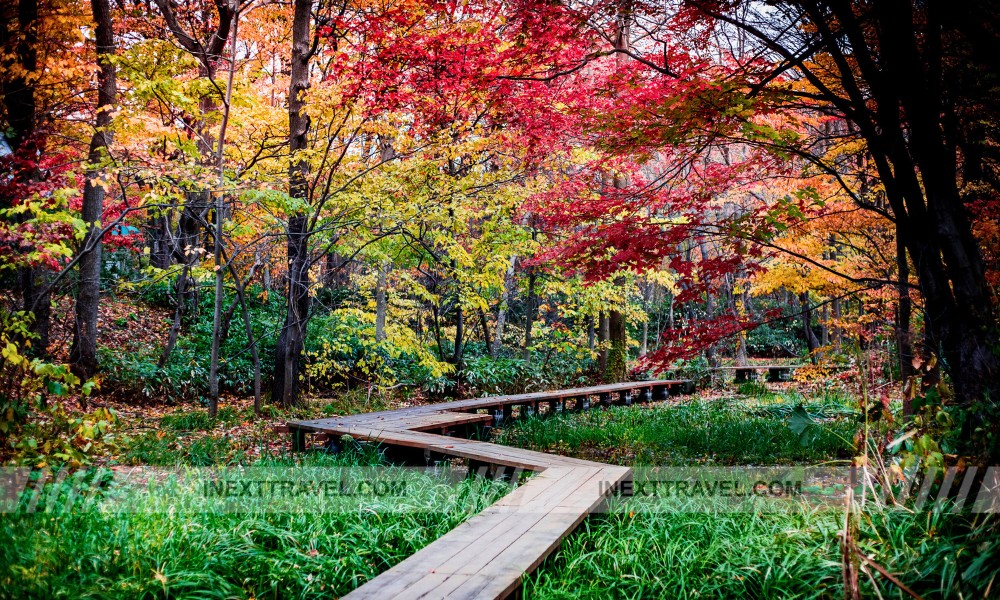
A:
x: 694, y: 555
x: 704, y: 432
x: 628, y: 554
x: 152, y: 549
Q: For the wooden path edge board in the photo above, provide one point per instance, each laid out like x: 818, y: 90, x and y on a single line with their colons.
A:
x: 488, y: 555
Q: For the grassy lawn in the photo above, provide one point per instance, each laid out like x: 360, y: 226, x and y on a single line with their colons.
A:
x: 695, y: 555
x: 631, y: 553
x: 788, y: 555
x: 736, y: 431
x: 152, y: 551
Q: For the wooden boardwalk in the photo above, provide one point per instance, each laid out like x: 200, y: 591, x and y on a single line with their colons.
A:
x: 488, y: 555
x: 749, y: 372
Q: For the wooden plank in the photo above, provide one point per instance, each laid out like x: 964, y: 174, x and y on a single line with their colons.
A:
x: 514, y: 547
x: 469, y: 551
x: 435, y: 420
x: 505, y: 455
x: 473, y: 403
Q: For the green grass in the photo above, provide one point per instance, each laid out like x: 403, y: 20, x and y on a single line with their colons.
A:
x: 151, y: 552
x: 198, y: 420
x: 634, y: 553
x: 622, y: 555
x: 694, y: 432
x: 170, y: 449
x: 628, y: 553
x: 696, y: 555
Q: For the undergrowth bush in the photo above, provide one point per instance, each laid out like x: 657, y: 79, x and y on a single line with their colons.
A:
x: 199, y: 420
x: 35, y: 427
x: 168, y: 449
x: 775, y: 339
x: 553, y: 367
x: 341, y: 346
x: 184, y: 377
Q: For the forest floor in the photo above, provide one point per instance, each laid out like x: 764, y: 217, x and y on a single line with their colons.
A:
x: 162, y: 550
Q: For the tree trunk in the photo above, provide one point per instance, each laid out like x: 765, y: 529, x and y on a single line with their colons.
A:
x: 603, y: 334
x: 436, y: 315
x: 291, y: 340
x: 531, y: 313
x: 509, y: 289
x: 381, y: 299
x: 824, y: 328
x: 18, y: 82
x: 836, y: 324
x: 811, y: 342
x: 83, y: 352
x: 645, y: 338
x: 218, y: 240
x: 485, y: 326
x: 38, y: 301
x: 158, y: 240
x: 190, y: 243
x: 456, y: 357
x: 180, y: 293
x: 18, y: 91
x: 904, y: 309
x: 618, y: 353
x: 288, y: 352
x: 898, y: 56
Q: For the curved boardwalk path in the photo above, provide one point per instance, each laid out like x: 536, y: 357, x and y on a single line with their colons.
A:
x: 488, y: 555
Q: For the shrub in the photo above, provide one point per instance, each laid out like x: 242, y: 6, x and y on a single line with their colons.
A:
x: 55, y: 437
x: 342, y: 346
x: 184, y: 377
x: 35, y: 428
x: 170, y: 449
x: 267, y: 315
x: 754, y: 389
x: 199, y: 420
x: 136, y: 376
x: 497, y: 376
x: 778, y: 338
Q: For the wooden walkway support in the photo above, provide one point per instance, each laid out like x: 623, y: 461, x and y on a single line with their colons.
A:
x: 488, y: 555
x: 775, y: 373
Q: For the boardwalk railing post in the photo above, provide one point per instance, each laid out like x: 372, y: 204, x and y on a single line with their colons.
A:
x: 777, y: 374
x: 298, y: 440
